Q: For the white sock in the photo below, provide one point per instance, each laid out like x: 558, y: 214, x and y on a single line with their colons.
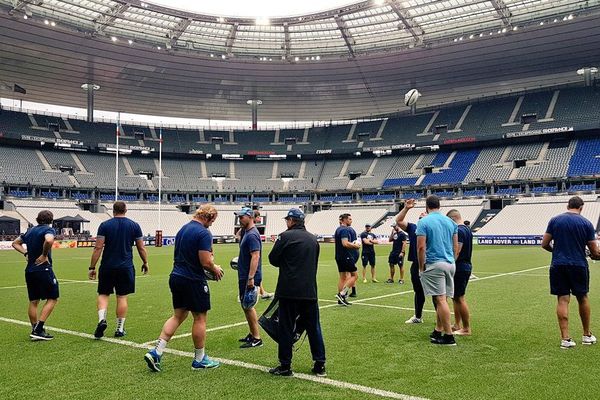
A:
x: 344, y: 291
x: 101, y: 315
x: 199, y: 354
x: 161, y: 345
x: 120, y: 324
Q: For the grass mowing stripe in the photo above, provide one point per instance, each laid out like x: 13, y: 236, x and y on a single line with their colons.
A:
x: 241, y: 364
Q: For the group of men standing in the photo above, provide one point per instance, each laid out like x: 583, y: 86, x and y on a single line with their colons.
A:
x: 440, y: 252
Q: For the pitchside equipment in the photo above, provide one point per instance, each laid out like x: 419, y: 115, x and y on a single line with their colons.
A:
x: 234, y: 263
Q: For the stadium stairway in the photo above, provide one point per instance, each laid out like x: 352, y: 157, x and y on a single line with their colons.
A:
x: 484, y: 217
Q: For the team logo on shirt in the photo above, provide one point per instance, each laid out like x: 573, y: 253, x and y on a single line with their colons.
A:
x: 205, y: 289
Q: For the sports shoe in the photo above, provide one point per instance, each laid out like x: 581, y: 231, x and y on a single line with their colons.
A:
x: 40, y: 335
x: 591, y: 339
x: 414, y: 320
x: 365, y: 280
x: 100, y: 328
x: 120, y: 334
x: 245, y: 339
x: 319, y: 370
x: 281, y: 371
x: 153, y: 360
x: 374, y: 280
x: 389, y: 281
x: 401, y: 282
x: 206, y: 363
x: 435, y: 335
x: 252, y: 342
x: 445, y: 340
x: 266, y: 296
x: 341, y: 299
x: 353, y: 294
x: 567, y: 343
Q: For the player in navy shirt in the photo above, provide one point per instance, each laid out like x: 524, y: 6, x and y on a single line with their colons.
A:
x: 566, y: 238
x: 346, y: 255
x: 411, y: 231
x: 462, y: 326
x: 189, y: 290
x: 39, y: 276
x: 249, y: 272
x: 117, y: 274
x: 396, y: 257
x: 368, y: 240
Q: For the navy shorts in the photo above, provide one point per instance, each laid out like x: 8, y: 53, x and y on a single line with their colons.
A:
x: 368, y: 258
x: 118, y: 281
x: 569, y: 279
x: 461, y: 280
x: 188, y: 294
x: 346, y: 265
x: 396, y: 259
x: 41, y: 285
x: 243, y: 284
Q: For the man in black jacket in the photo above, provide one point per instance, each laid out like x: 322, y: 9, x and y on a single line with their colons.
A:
x: 296, y: 254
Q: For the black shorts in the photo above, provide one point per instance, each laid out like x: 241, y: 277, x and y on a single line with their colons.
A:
x: 42, y: 285
x: 188, y: 294
x: 346, y: 265
x: 243, y: 284
x: 396, y: 259
x: 569, y: 279
x: 461, y: 280
x: 368, y: 258
x: 118, y: 281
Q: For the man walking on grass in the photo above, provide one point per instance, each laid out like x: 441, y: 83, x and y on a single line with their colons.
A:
x: 566, y: 238
x: 117, y: 273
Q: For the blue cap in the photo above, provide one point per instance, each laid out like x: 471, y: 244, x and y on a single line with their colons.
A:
x: 244, y: 211
x: 295, y: 213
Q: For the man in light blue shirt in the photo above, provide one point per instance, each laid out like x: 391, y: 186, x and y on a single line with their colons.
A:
x: 437, y: 248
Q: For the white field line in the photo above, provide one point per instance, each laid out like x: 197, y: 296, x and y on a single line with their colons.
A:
x: 236, y: 363
x: 216, y: 328
x: 63, y: 281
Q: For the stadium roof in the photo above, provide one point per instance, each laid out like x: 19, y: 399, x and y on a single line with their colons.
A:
x: 351, y: 61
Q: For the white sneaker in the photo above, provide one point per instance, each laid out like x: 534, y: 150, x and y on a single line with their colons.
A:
x: 267, y: 296
x: 588, y: 339
x: 365, y: 280
x: 414, y: 320
x: 567, y: 343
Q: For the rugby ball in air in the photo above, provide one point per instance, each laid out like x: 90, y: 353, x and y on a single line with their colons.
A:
x: 234, y: 263
x: 411, y: 97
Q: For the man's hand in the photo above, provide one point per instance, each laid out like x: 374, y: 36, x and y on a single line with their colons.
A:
x: 41, y: 260
x: 92, y: 274
x: 410, y: 203
x: 217, y: 272
x: 144, y: 268
x: 250, y: 284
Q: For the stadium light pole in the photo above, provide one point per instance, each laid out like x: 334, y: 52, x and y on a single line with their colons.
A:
x: 117, y: 157
x: 160, y: 142
x: 90, y: 88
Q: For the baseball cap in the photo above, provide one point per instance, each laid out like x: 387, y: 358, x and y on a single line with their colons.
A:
x: 294, y: 213
x: 367, y: 225
x: 244, y: 211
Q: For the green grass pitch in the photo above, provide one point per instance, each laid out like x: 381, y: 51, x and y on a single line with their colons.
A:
x: 513, y: 354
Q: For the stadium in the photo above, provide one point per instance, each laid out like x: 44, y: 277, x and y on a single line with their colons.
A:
x: 169, y: 106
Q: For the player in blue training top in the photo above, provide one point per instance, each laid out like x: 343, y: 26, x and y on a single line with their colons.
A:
x: 462, y: 325
x: 117, y: 273
x: 396, y: 257
x: 411, y: 229
x: 369, y: 240
x: 566, y: 238
x: 39, y: 276
x: 249, y: 272
x: 189, y: 290
x: 346, y: 255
